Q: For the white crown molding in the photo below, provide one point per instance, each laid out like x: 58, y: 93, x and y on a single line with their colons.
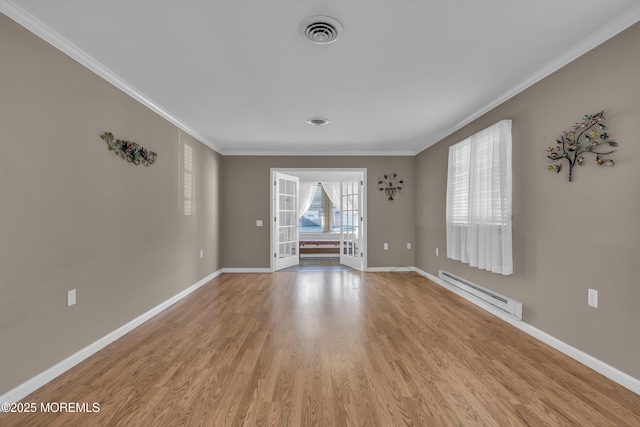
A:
x: 599, y: 36
x: 29, y: 386
x: 318, y: 153
x: 586, y: 359
x: 595, y: 39
x: 37, y: 27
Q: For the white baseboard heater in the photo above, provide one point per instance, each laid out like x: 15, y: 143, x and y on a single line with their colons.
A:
x: 508, y: 305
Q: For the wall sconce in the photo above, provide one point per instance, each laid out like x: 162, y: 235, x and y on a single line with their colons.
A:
x: 389, y: 183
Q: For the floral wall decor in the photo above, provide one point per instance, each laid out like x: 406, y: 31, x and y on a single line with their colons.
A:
x: 389, y: 183
x: 131, y: 151
x: 584, y: 139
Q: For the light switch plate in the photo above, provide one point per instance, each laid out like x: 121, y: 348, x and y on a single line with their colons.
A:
x: 71, y: 297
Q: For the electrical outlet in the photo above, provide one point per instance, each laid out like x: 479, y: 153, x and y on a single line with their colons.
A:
x: 386, y: 246
x: 408, y: 245
x: 436, y: 251
x: 71, y: 297
x: 258, y: 223
x: 201, y: 253
x: 592, y: 298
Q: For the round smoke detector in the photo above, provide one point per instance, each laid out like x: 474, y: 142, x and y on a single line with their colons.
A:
x: 318, y: 121
x: 321, y: 29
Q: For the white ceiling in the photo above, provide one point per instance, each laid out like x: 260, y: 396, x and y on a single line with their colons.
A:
x: 239, y: 76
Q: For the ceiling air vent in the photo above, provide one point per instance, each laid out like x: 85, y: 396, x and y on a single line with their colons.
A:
x: 321, y: 29
x: 318, y: 121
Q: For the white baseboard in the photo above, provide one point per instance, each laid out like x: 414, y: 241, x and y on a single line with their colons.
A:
x: 42, y: 378
x: 597, y: 365
x: 389, y: 269
x: 246, y: 270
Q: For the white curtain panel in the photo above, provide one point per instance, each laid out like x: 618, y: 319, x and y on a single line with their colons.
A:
x: 333, y: 191
x: 307, y: 189
x: 479, y: 198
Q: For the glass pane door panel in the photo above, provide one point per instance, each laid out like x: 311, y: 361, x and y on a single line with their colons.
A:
x: 286, y: 221
x: 351, y: 217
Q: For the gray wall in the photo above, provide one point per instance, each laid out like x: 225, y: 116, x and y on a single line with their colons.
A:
x: 567, y: 237
x: 73, y: 216
x: 245, y: 198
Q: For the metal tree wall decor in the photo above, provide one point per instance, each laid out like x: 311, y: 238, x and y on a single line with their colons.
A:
x: 583, y: 138
x: 132, y: 152
x: 389, y: 183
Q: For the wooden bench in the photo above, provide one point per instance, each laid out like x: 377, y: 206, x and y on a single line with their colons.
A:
x: 320, y: 247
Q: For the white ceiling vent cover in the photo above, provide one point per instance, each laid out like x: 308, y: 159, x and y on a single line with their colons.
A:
x: 321, y: 29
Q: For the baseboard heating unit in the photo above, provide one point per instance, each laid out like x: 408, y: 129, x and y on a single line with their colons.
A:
x: 508, y: 305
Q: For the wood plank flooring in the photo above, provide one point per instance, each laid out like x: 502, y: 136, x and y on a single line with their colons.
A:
x: 318, y: 264
x: 330, y: 348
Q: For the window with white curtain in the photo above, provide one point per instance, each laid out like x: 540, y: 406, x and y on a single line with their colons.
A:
x: 479, y: 186
x: 317, y: 213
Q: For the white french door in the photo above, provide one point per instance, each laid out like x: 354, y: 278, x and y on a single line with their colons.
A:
x: 285, y: 221
x: 351, y: 230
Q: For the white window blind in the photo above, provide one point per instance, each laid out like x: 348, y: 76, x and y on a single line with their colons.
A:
x: 458, y: 183
x: 478, y: 213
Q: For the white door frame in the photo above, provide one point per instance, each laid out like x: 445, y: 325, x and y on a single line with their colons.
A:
x: 292, y: 171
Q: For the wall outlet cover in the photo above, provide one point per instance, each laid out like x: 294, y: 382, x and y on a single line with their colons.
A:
x: 593, y: 298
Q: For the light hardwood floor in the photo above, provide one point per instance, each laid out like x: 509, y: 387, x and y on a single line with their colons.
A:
x: 331, y: 348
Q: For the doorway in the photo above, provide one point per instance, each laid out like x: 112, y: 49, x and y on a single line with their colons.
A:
x: 332, y: 232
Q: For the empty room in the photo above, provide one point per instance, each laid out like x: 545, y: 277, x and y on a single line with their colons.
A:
x: 320, y: 213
